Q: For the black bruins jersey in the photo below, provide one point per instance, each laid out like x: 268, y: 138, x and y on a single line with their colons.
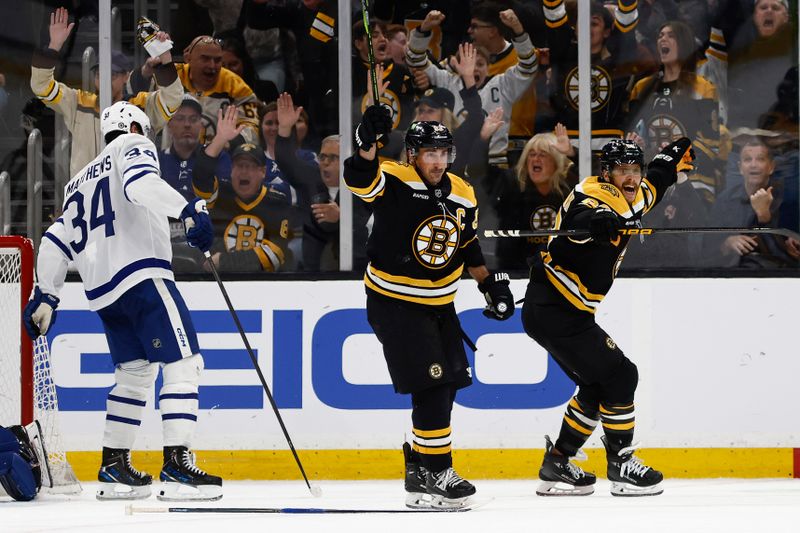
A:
x: 422, y: 236
x: 253, y: 234
x: 580, y: 269
x: 398, y: 96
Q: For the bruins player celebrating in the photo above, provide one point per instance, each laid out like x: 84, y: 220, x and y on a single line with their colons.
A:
x: 424, y: 234
x: 564, y: 291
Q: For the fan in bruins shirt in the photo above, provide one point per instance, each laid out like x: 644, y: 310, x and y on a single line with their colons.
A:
x: 562, y: 296
x: 253, y: 221
x: 424, y: 234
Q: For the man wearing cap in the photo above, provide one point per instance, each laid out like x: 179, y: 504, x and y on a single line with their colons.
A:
x: 179, y: 160
x: 81, y: 108
x: 253, y: 221
x: 216, y: 87
x: 502, y: 90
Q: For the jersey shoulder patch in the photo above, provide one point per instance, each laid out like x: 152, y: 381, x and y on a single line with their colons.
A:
x: 402, y: 171
x: 605, y: 193
x: 462, y: 189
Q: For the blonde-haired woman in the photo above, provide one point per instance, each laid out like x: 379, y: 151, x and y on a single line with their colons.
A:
x: 542, y: 181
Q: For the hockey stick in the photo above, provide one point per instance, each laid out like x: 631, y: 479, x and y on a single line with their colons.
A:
x: 370, y: 51
x: 295, y: 510
x: 315, y: 490
x: 782, y: 232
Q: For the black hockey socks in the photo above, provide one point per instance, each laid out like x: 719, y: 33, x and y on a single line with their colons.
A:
x: 577, y: 426
x: 431, y: 431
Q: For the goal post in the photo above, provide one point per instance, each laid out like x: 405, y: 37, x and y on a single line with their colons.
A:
x: 27, y: 389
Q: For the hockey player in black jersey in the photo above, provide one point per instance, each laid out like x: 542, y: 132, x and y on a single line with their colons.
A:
x: 565, y: 289
x: 423, y: 236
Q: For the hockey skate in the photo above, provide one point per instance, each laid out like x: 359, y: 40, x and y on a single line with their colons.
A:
x: 417, y: 496
x: 448, y: 490
x: 119, y: 480
x: 561, y: 477
x: 183, y: 481
x: 628, y: 475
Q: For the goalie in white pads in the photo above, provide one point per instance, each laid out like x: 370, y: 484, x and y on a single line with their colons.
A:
x: 114, y: 229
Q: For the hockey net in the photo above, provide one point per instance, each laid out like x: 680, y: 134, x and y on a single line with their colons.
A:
x: 27, y: 390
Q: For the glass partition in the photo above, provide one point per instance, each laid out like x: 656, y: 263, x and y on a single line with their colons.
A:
x: 719, y: 73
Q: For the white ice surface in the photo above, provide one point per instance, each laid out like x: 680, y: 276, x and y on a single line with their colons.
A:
x: 703, y: 506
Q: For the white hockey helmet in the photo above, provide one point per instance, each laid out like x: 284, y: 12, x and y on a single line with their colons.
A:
x: 120, y: 116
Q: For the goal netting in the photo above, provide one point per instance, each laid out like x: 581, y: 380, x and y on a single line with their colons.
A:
x: 27, y: 389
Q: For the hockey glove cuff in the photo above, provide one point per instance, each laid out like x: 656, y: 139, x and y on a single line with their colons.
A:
x: 39, y: 313
x: 375, y: 123
x: 604, y: 225
x: 499, y: 300
x: 677, y: 156
x: 197, y: 223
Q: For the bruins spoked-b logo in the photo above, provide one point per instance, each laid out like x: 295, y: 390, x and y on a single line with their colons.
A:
x: 435, y: 241
x: 435, y: 371
x: 611, y: 344
x: 543, y: 217
x: 244, y: 232
x: 600, y: 88
x: 662, y: 129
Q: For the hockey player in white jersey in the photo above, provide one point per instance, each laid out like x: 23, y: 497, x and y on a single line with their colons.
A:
x: 114, y: 229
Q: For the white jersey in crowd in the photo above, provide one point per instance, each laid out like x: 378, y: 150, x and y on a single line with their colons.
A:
x: 502, y: 90
x: 114, y: 224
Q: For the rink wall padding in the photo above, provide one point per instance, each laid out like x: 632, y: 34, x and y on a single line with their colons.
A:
x: 473, y: 464
x: 717, y: 361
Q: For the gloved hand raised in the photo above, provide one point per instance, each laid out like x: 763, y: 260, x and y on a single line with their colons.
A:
x: 675, y: 157
x: 39, y: 313
x: 197, y: 223
x: 499, y: 300
x: 604, y: 225
x: 376, y: 122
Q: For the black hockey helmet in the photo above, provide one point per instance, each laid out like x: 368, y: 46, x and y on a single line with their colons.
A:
x: 621, y: 152
x: 429, y: 134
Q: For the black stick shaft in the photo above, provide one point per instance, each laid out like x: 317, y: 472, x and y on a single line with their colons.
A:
x: 782, y: 232
x: 370, y: 51
x: 257, y: 368
x: 293, y: 510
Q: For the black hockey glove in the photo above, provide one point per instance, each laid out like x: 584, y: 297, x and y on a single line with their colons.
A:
x: 499, y: 300
x: 675, y: 157
x: 376, y: 122
x: 604, y: 225
x: 40, y: 313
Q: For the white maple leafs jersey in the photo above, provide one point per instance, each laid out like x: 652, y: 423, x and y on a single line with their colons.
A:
x: 114, y: 225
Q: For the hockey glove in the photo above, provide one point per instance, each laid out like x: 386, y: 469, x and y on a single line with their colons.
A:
x: 39, y: 313
x: 197, y: 223
x: 499, y: 300
x: 376, y: 122
x: 675, y: 157
x: 604, y: 225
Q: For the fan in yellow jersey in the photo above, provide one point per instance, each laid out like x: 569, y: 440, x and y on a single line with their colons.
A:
x: 564, y: 291
x: 424, y: 234
x: 216, y: 87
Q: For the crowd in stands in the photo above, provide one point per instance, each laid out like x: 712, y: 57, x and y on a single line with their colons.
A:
x: 246, y: 110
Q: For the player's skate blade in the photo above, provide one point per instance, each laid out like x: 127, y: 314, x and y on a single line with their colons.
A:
x: 626, y: 489
x: 418, y: 500
x: 179, y: 492
x: 120, y: 491
x: 559, y: 488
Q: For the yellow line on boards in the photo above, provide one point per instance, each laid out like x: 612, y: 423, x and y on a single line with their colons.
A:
x: 472, y: 464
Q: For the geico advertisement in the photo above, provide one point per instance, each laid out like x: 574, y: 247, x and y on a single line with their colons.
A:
x: 327, y: 375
